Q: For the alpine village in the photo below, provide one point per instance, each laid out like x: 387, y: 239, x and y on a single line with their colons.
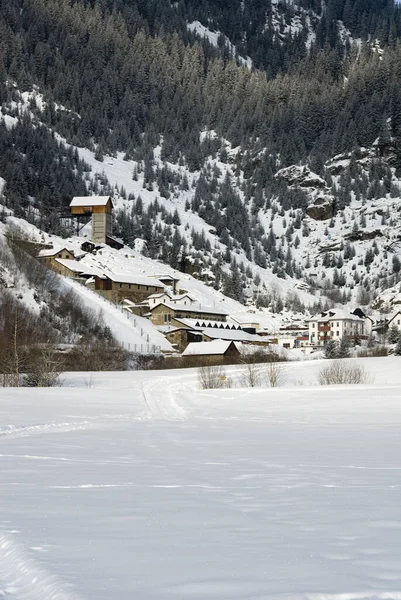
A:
x: 200, y: 299
x: 187, y: 183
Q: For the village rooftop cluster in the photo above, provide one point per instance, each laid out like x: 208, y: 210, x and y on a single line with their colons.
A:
x: 192, y: 329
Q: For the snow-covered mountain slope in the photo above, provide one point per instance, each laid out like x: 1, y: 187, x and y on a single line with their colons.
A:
x: 128, y: 182
x: 136, y: 334
x: 301, y: 237
x: 216, y: 38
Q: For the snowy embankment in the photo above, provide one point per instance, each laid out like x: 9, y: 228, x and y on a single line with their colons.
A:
x: 140, y: 485
x: 134, y: 333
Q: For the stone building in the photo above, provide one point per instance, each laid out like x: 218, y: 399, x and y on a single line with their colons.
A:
x: 165, y: 313
x: 117, y: 287
x: 48, y: 256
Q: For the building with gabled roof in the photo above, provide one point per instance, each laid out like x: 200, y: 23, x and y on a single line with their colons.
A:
x: 169, y: 281
x: 336, y: 324
x: 165, y: 313
x: 119, y: 286
x: 216, y: 352
x: 48, y: 256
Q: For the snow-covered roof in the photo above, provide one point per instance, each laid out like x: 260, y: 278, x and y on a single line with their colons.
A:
x: 164, y: 277
x: 244, y: 322
x: 53, y: 251
x: 392, y: 316
x: 184, y: 308
x: 201, y: 324
x: 133, y: 279
x: 90, y: 201
x: 159, y: 295
x: 73, y: 265
x: 235, y: 335
x: 181, y: 297
x: 217, y: 347
x: 334, y: 315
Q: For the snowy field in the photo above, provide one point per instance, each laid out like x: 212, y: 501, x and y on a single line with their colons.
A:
x: 139, y: 486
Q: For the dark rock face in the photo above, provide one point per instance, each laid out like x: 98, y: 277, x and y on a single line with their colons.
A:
x: 364, y: 235
x: 319, y: 196
x: 320, y: 210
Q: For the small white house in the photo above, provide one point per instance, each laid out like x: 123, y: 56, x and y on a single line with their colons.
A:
x: 166, y: 296
x: 336, y: 324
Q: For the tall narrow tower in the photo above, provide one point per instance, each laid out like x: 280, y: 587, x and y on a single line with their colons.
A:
x: 100, y: 208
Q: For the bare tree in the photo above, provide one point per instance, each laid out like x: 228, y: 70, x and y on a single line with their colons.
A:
x: 211, y: 377
x: 276, y: 373
x: 253, y: 370
x: 14, y: 356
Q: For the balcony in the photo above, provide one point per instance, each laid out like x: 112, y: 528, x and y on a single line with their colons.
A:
x: 323, y: 328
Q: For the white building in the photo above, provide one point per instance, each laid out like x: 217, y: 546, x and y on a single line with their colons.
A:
x: 166, y: 296
x: 335, y: 324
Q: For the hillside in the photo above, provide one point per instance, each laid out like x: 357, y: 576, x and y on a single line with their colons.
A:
x: 188, y: 114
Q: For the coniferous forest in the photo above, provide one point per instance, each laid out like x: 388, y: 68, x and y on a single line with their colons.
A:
x: 128, y: 74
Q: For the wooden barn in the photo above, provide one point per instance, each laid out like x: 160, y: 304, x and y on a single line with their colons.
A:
x: 211, y: 353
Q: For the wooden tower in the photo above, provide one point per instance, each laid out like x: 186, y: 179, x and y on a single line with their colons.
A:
x: 100, y: 208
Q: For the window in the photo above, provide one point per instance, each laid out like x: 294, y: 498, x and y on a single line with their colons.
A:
x: 338, y: 333
x: 338, y: 324
x: 129, y: 285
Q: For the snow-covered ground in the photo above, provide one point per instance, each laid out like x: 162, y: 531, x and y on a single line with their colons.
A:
x: 134, y: 333
x: 140, y: 485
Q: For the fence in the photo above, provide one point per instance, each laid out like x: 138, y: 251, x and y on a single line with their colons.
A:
x: 142, y: 348
x: 146, y: 347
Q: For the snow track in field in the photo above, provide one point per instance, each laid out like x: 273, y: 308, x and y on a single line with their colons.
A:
x: 21, y: 578
x: 16, y: 431
x: 159, y: 397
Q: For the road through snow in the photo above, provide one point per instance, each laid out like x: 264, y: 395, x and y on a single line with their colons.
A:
x: 139, y: 485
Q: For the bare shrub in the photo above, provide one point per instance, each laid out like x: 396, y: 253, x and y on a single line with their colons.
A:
x: 98, y: 356
x: 46, y: 368
x: 276, y: 374
x: 212, y: 377
x: 252, y: 374
x: 343, y: 372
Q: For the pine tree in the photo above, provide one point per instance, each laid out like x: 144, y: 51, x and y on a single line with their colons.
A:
x: 331, y: 349
x: 394, y: 334
x: 344, y: 349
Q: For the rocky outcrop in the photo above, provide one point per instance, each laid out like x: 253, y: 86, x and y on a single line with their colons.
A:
x: 301, y: 177
x: 320, y: 198
x: 321, y: 209
x: 363, y: 235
